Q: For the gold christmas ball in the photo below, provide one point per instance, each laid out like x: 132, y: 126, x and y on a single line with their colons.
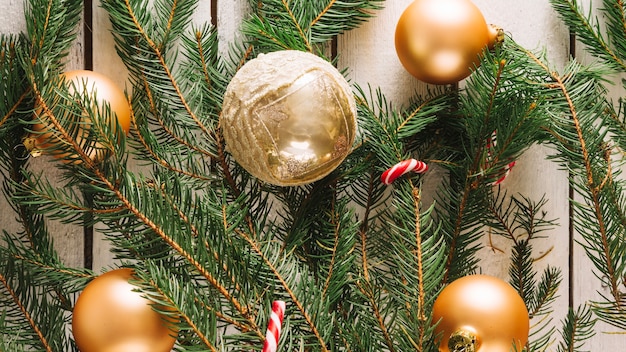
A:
x: 110, y: 317
x: 288, y: 117
x: 480, y: 313
x: 440, y: 41
x: 102, y: 91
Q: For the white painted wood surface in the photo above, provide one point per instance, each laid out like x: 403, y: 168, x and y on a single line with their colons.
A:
x: 369, y: 54
x: 68, y: 239
x: 586, y: 285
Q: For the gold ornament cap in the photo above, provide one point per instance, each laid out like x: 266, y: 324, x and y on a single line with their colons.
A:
x: 289, y: 117
x: 463, y: 341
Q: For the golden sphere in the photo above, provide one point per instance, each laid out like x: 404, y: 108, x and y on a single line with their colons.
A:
x: 480, y: 313
x: 110, y: 317
x: 289, y: 117
x: 101, y: 90
x: 440, y: 41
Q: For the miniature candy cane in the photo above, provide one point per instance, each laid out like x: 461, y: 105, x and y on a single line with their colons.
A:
x: 491, y: 143
x: 274, y: 326
x: 507, y: 171
x: 402, y: 168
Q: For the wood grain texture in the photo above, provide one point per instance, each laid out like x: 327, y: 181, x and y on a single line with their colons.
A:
x: 370, y: 57
x: 586, y: 286
x: 67, y: 239
x: 534, y: 25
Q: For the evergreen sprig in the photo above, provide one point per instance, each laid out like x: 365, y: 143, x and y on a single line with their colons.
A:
x: 497, y: 118
x: 522, y: 221
x: 51, y: 30
x: 360, y: 263
x: 304, y: 25
x: 578, y: 327
x: 581, y: 138
x: 606, y: 44
x: 36, y: 288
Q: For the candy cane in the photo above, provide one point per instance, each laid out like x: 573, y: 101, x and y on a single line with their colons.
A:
x: 491, y: 143
x: 507, y: 171
x: 274, y: 326
x: 402, y: 168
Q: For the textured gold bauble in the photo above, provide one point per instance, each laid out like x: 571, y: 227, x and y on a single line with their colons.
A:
x: 289, y: 117
x: 480, y: 313
x: 109, y: 316
x: 440, y: 41
x: 101, y: 90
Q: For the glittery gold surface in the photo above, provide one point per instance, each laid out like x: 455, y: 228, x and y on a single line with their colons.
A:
x: 289, y: 118
x: 462, y: 341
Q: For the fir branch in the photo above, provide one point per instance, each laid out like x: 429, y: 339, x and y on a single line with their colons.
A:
x: 412, y: 285
x: 169, y: 295
x: 294, y: 299
x: 52, y: 26
x: 589, y: 33
x: 167, y: 239
x: 27, y: 316
x: 304, y: 25
x: 141, y: 136
x: 363, y: 229
x: 577, y: 328
x: 155, y: 72
x: 421, y: 308
x: 593, y: 186
x: 14, y: 91
x: 338, y: 17
x: 501, y: 98
x: 34, y: 296
x: 173, y: 16
x: 615, y: 15
x: 579, y: 126
x: 366, y: 288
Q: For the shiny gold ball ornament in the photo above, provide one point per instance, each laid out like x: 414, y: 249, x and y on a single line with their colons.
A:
x: 109, y: 316
x: 480, y: 313
x: 101, y: 90
x: 288, y: 117
x: 440, y: 41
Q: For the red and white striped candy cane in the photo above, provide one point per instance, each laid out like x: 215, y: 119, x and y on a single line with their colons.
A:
x: 274, y: 326
x: 402, y: 168
x: 491, y: 143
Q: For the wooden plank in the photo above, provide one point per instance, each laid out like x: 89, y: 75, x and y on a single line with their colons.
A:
x: 370, y: 55
x: 534, y: 25
x: 230, y: 14
x: 67, y: 239
x: 587, y: 286
x: 11, y: 22
x: 107, y: 62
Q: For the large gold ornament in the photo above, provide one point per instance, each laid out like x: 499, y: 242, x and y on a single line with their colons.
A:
x: 480, y: 313
x: 102, y: 90
x: 440, y: 41
x: 109, y: 316
x: 289, y: 117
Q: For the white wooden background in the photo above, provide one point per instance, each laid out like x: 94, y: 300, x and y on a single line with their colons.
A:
x: 371, y: 58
